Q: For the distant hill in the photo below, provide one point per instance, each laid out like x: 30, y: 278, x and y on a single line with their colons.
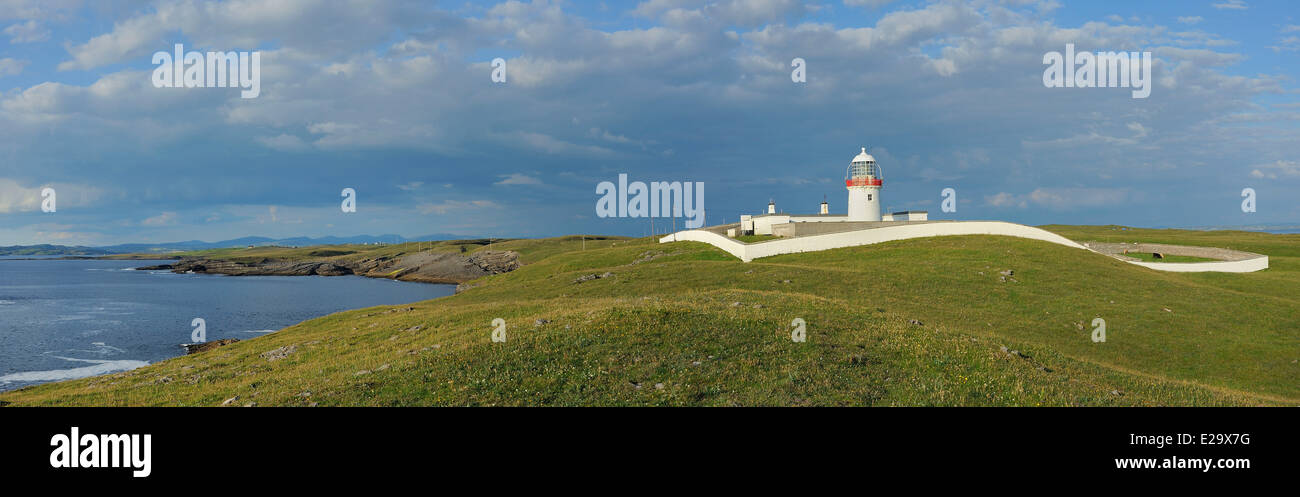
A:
x: 257, y: 241
x: 1280, y: 229
x: 47, y: 249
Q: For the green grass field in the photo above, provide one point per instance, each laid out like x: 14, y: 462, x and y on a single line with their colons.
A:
x: 755, y: 238
x: 914, y: 322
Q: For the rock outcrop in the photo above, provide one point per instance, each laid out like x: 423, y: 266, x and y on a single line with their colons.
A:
x: 445, y: 267
x: 495, y: 261
x: 194, y: 348
x: 428, y: 267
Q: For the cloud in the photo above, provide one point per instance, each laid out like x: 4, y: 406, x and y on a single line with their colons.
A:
x: 1199, y: 56
x: 1287, y: 43
x: 11, y: 67
x: 552, y: 145
x: 604, y: 134
x: 875, y: 4
x: 1139, y: 131
x: 133, y: 38
x: 414, y: 185
x: 449, y: 206
x: 1277, y: 168
x: 1230, y: 5
x: 38, y: 9
x: 1077, y: 198
x: 284, y: 143
x: 518, y: 179
x: 317, y: 28
x: 17, y: 197
x: 754, y: 12
x: 724, y: 12
x: 1190, y: 19
x: 27, y: 32
x: 1062, y: 198
x: 61, y: 236
x: 1004, y: 199
x: 931, y: 174
x: 164, y: 219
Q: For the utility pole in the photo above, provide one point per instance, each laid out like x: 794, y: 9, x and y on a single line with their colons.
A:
x: 674, y: 216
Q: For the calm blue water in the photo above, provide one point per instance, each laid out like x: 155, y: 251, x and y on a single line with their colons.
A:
x: 62, y: 319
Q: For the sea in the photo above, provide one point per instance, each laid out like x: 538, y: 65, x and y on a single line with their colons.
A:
x: 62, y: 319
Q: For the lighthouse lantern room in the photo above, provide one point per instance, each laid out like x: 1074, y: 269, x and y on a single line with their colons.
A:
x: 863, y: 182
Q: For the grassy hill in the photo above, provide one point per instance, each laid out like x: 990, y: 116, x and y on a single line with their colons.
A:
x: 47, y: 249
x: 914, y: 322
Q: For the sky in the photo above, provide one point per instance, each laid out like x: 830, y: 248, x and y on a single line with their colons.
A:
x: 396, y: 100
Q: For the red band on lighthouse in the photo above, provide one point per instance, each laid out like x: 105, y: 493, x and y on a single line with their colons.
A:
x: 862, y: 182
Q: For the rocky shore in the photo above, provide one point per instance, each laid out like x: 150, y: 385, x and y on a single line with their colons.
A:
x: 426, y: 267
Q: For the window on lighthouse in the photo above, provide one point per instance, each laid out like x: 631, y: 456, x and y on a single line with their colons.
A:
x: 868, y: 197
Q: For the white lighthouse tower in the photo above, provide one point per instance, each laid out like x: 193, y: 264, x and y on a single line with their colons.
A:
x: 863, y: 181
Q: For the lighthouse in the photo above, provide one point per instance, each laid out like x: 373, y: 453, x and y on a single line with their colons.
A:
x: 863, y: 182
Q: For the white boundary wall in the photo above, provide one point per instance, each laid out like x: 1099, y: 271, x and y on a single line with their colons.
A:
x: 727, y: 245
x: 813, y: 243
x: 1243, y: 266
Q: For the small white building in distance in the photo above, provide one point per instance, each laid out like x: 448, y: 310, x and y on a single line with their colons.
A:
x: 863, y: 181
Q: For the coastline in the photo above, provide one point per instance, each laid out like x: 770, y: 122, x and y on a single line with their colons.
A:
x: 421, y: 267
x: 111, y: 349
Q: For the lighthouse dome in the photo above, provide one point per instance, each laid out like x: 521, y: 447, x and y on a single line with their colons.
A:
x: 864, y: 156
x: 863, y: 166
